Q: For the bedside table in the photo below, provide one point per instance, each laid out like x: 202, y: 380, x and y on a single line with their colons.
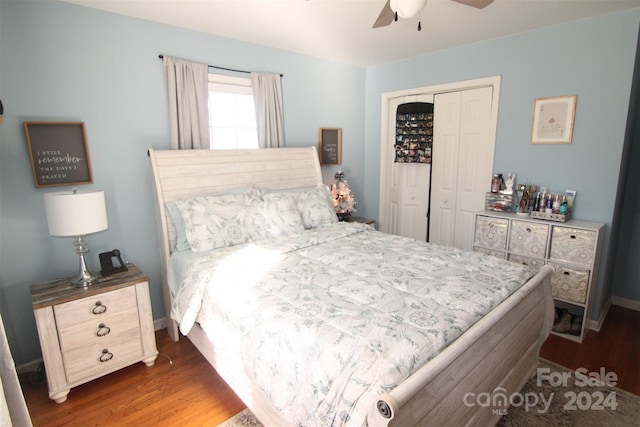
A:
x: 86, y: 333
x: 371, y: 222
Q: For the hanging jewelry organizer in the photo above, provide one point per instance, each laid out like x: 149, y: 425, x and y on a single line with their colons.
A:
x: 414, y: 132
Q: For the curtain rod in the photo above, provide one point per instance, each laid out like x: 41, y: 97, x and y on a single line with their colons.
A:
x: 223, y: 68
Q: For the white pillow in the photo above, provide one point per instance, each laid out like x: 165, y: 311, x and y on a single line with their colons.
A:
x: 281, y: 214
x: 316, y: 207
x: 217, y: 221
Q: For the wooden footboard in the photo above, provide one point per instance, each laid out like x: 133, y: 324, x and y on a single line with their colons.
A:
x: 496, y: 356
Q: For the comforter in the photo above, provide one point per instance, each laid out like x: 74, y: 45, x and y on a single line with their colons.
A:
x: 325, y: 320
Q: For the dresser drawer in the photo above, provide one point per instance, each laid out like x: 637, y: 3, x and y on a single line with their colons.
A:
x: 499, y: 254
x: 97, y: 330
x: 491, y: 232
x: 570, y: 284
x: 572, y: 245
x: 528, y: 238
x: 532, y: 262
x: 95, y: 307
x: 115, y: 351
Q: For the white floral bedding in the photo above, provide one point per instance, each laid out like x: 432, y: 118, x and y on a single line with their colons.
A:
x: 327, y: 319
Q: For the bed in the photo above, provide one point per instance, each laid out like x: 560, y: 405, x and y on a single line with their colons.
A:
x: 301, y: 323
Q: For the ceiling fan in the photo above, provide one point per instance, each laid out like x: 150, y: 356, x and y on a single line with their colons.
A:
x: 394, y: 9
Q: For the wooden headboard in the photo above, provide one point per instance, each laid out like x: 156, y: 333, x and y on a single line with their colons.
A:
x: 180, y: 174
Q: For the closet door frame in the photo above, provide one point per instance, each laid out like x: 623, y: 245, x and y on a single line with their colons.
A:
x: 387, y: 133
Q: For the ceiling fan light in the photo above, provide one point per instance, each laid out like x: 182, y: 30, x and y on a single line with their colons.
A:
x: 407, y: 8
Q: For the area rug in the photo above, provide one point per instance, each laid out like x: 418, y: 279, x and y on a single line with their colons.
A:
x: 554, y: 396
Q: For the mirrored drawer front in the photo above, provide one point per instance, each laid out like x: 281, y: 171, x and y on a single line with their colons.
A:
x: 102, y: 357
x: 491, y: 232
x: 98, y: 329
x: 95, y: 307
x: 570, y: 284
x: 528, y: 238
x: 572, y: 245
x: 532, y: 262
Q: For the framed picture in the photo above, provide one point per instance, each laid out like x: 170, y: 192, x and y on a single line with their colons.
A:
x: 553, y: 120
x: 330, y: 145
x: 58, y: 152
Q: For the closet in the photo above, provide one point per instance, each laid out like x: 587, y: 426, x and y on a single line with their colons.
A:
x: 437, y: 201
x: 462, y: 164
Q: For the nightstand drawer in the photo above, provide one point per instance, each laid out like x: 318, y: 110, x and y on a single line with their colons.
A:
x: 572, y: 245
x: 102, y: 357
x: 97, y: 330
x: 98, y: 307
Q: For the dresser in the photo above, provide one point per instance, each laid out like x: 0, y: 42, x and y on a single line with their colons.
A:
x: 572, y: 248
x: 86, y: 333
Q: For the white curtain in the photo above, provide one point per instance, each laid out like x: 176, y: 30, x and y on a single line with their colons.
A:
x: 188, y: 93
x: 13, y: 409
x: 267, y: 95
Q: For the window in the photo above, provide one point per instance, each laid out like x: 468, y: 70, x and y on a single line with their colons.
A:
x: 232, y: 117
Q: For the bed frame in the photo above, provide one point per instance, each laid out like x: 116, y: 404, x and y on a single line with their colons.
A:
x: 497, y: 355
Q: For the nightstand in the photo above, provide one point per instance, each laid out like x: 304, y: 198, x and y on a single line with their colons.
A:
x: 86, y: 333
x: 371, y: 222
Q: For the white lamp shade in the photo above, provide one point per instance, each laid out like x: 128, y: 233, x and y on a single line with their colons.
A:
x: 407, y: 8
x: 75, y: 213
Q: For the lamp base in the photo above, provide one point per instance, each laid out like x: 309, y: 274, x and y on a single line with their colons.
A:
x: 84, y: 277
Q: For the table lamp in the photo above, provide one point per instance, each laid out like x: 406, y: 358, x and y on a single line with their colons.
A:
x: 76, y: 214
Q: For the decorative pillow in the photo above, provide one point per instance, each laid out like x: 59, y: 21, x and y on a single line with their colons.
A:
x: 316, y: 207
x: 177, y: 234
x: 281, y: 213
x: 217, y: 221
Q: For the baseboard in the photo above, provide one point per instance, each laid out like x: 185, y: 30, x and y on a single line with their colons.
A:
x: 626, y: 303
x: 595, y: 325
x: 160, y: 323
x: 34, y: 365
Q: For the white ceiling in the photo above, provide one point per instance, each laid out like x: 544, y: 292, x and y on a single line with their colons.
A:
x: 341, y: 30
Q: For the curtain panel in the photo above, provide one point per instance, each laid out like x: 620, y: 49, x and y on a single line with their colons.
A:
x: 188, y: 94
x: 267, y: 95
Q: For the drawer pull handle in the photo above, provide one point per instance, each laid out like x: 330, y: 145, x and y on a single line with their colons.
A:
x: 103, y: 330
x: 105, y: 356
x: 98, y: 308
x: 529, y: 230
x: 573, y: 236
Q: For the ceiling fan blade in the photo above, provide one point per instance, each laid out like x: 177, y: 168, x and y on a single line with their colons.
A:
x: 480, y: 4
x: 386, y: 16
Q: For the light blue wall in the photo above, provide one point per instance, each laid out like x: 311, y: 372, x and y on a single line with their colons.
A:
x: 61, y: 62
x: 592, y: 59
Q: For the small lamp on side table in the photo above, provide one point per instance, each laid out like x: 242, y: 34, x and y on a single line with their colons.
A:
x: 74, y: 214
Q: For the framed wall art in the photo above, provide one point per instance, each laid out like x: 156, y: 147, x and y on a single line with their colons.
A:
x: 59, y: 153
x: 330, y: 145
x: 553, y: 120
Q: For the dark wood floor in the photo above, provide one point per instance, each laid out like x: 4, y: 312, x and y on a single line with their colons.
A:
x: 190, y: 393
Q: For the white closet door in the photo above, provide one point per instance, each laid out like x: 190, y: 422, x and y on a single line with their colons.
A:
x: 462, y: 164
x: 409, y: 195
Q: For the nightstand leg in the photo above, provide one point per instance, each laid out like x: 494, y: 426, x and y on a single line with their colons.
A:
x: 149, y: 361
x: 60, y: 396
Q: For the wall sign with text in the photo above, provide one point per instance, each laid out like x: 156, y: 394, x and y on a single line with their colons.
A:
x: 59, y: 153
x: 330, y: 145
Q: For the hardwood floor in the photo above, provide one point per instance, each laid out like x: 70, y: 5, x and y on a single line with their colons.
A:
x: 616, y: 348
x: 190, y: 393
